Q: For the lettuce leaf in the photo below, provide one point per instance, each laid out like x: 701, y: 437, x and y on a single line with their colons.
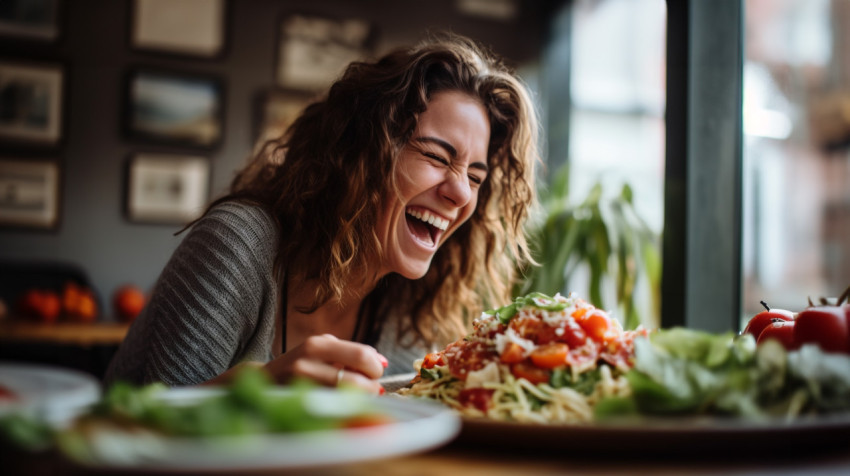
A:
x: 688, y: 372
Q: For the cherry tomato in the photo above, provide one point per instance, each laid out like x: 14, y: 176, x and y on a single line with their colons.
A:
x: 530, y: 372
x: 432, y: 359
x: 572, y: 334
x: 598, y: 327
x: 826, y: 326
x: 550, y: 356
x: 365, y: 421
x: 763, y: 319
x: 512, y: 353
x: 782, y: 331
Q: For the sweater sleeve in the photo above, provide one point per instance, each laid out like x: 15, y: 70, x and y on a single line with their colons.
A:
x: 213, y: 305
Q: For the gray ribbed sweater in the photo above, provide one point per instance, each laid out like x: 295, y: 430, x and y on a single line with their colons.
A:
x: 214, y: 305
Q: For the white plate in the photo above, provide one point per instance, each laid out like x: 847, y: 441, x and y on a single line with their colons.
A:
x: 394, y: 383
x: 52, y: 394
x: 418, y: 426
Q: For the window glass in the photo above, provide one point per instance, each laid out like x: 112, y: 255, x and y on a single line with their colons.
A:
x: 617, y: 110
x: 796, y: 166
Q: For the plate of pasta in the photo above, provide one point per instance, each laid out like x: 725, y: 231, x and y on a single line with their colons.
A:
x: 557, y: 369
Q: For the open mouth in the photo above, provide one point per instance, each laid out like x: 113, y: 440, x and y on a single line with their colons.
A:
x: 425, y: 226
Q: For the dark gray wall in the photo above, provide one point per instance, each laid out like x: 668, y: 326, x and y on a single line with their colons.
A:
x: 94, y: 49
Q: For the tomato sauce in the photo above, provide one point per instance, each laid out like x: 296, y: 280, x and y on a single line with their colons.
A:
x: 464, y: 357
x: 476, y: 398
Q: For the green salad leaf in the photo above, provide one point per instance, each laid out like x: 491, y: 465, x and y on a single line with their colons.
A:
x: 688, y: 372
x: 246, y: 406
x: 249, y: 405
x: 584, y: 382
x: 535, y: 299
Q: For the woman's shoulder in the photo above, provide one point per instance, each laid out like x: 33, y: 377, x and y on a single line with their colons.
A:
x: 237, y: 214
x: 246, y: 222
x: 240, y: 210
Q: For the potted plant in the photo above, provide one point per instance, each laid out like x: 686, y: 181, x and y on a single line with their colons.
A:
x: 607, y: 238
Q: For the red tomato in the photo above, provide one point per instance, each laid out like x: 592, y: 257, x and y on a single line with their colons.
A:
x: 128, y: 302
x: 598, y: 327
x: 782, y: 331
x: 42, y: 305
x: 573, y: 335
x: 763, y: 319
x: 550, y: 356
x: 476, y: 397
x: 365, y: 421
x: 512, y: 353
x: 826, y: 326
x: 530, y: 372
x: 431, y: 360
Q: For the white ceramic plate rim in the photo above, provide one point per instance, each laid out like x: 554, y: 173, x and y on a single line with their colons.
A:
x: 53, y: 394
x: 419, y: 426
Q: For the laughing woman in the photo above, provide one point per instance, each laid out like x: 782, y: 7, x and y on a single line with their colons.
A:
x: 387, y: 215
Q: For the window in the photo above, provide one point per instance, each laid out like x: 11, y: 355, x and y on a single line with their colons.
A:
x: 796, y: 165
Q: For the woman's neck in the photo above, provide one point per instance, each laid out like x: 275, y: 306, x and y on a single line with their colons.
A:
x: 336, y: 316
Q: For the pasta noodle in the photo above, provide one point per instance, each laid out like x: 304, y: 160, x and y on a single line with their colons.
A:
x: 540, y: 359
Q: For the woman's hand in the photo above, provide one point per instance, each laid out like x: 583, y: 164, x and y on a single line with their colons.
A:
x: 331, y: 361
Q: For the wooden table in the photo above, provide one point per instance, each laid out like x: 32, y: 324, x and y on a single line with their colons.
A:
x: 85, y: 347
x: 455, y: 459
x: 459, y: 460
x: 64, y: 333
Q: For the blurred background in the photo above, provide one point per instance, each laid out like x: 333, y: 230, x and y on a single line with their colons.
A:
x: 121, y: 119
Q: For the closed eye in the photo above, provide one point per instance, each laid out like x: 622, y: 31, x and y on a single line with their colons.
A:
x: 436, y: 157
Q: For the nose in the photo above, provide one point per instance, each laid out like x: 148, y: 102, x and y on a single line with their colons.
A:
x: 455, y: 188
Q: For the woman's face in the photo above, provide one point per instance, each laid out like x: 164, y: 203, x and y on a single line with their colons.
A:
x: 439, y: 174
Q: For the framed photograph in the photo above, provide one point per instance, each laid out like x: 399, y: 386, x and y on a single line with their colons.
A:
x: 313, y: 51
x: 30, y: 19
x: 276, y: 110
x: 29, y: 193
x: 175, y: 108
x: 181, y: 27
x: 31, y: 103
x: 167, y: 189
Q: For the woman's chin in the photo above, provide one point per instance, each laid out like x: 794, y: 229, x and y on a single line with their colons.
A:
x: 414, y: 272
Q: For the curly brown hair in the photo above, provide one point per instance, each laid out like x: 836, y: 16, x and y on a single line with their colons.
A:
x: 326, y: 179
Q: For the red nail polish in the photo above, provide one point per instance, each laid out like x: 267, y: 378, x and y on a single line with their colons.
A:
x: 384, y: 361
x: 382, y: 391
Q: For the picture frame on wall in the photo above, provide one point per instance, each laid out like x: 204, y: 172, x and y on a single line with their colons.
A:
x: 175, y: 108
x: 313, y: 50
x: 275, y: 110
x: 180, y: 27
x: 29, y: 193
x: 31, y: 109
x: 30, y: 19
x: 167, y: 188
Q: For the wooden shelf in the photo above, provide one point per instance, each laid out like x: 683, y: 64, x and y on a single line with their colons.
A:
x: 66, y: 333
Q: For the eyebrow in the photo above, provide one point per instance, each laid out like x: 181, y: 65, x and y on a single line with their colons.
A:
x: 452, y: 151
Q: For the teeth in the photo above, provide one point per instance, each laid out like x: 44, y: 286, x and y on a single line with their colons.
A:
x: 430, y: 219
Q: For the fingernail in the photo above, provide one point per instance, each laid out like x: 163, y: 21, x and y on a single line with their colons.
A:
x: 383, y: 360
x: 382, y: 391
